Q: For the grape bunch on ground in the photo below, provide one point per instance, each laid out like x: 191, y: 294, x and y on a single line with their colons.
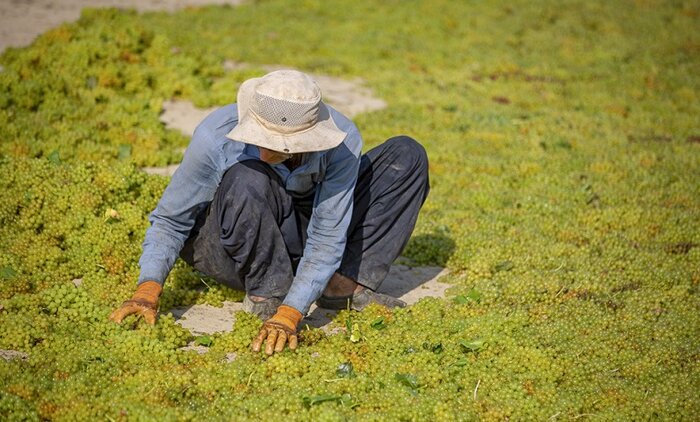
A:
x: 564, y: 148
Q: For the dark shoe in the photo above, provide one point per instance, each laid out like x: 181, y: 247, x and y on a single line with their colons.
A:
x: 359, y: 301
x: 264, y: 309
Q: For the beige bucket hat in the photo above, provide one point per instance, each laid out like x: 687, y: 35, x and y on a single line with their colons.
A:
x: 283, y: 111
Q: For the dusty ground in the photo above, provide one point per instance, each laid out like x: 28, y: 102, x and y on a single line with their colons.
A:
x: 12, y: 354
x: 350, y: 97
x: 408, y: 283
x: 22, y: 20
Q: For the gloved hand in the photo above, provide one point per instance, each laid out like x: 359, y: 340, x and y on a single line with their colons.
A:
x: 279, y: 330
x: 143, y: 303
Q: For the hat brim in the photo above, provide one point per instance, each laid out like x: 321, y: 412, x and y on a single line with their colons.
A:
x: 322, y: 136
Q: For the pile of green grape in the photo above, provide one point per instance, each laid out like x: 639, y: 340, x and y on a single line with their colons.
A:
x: 564, y: 156
x: 499, y: 349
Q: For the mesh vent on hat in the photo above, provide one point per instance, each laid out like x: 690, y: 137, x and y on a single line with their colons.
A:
x: 285, y: 113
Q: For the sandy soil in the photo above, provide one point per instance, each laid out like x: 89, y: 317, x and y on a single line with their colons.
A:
x: 12, y: 354
x: 350, y: 97
x: 408, y: 283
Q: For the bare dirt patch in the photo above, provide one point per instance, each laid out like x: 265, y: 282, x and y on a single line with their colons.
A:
x: 183, y: 116
x: 207, y: 319
x: 407, y: 283
x: 349, y: 96
x: 13, y: 355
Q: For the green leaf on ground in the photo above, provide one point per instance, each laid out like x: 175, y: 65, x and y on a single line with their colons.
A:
x: 378, y: 324
x: 345, y: 400
x: 7, y: 273
x: 472, y: 295
x: 203, y: 341
x: 503, y: 266
x: 409, y: 380
x: 472, y: 345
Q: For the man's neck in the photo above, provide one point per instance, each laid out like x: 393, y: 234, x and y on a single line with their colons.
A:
x: 294, y: 162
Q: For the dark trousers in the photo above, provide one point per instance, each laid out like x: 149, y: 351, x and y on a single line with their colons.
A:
x: 253, y: 234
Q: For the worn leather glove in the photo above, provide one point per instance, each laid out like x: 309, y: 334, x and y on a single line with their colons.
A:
x: 279, y: 330
x: 143, y: 303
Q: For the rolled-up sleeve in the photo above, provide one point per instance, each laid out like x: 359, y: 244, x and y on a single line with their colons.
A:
x: 327, y: 230
x: 191, y: 188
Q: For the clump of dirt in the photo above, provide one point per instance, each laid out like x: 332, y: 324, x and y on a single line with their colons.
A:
x: 13, y: 354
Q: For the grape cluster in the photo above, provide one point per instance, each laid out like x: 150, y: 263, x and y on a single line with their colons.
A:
x: 563, y: 147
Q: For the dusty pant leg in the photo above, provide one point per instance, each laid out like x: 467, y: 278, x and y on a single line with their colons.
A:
x: 242, y: 241
x: 296, y: 241
x: 391, y: 188
x: 204, y: 252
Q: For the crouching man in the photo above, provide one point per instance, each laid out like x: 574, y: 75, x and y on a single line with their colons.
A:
x: 274, y: 198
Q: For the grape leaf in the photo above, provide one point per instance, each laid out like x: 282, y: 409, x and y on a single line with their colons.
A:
x: 111, y: 214
x: 472, y: 295
x: 53, y: 157
x: 355, y: 334
x: 472, y: 345
x: 460, y: 362
x: 409, y: 380
x: 378, y: 324
x: 503, y: 266
x: 204, y: 341
x: 124, y: 151
x: 433, y: 347
x: 345, y: 400
x: 7, y: 273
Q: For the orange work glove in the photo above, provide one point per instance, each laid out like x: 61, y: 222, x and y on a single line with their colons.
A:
x: 279, y: 330
x: 143, y: 303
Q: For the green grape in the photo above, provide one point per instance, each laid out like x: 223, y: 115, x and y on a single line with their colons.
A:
x: 564, y: 170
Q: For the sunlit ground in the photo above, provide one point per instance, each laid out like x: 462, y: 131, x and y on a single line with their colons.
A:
x: 564, y: 147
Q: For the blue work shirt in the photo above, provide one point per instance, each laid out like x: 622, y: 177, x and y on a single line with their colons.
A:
x: 329, y: 175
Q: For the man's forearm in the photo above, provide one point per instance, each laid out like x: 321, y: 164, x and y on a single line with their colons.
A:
x: 159, y: 255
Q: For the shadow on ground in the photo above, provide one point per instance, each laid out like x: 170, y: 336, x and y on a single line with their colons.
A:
x: 409, y: 284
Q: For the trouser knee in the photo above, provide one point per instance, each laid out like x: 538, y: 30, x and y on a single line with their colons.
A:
x: 240, y: 242
x: 410, y: 153
x: 251, y: 178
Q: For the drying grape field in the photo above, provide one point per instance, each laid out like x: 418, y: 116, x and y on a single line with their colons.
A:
x: 564, y: 147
